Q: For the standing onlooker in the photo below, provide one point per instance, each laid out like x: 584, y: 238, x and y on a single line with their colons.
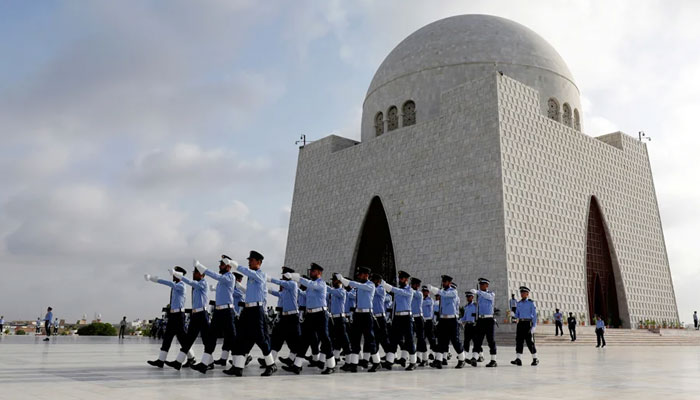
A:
x: 2, y: 325
x: 47, y: 322
x: 695, y: 319
x: 38, y: 326
x: 571, y: 321
x: 122, y: 328
x: 559, y: 323
x: 600, y: 331
x: 513, y: 306
x: 55, y: 327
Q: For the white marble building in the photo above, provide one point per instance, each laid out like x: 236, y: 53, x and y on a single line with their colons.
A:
x: 473, y: 162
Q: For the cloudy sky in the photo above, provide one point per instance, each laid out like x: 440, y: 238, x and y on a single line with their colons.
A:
x: 137, y: 135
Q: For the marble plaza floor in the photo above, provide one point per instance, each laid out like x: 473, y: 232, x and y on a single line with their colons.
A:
x: 104, y: 368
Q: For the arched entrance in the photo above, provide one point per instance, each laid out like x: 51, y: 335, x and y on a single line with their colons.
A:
x: 375, y: 249
x: 600, y: 277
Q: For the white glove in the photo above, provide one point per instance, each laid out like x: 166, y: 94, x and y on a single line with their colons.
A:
x: 151, y: 278
x: 293, y: 276
x: 240, y: 286
x: 387, y: 286
x: 433, y: 290
x: 532, y: 330
x: 230, y: 263
x: 199, y: 267
x: 345, y: 282
x: 268, y: 278
x: 175, y: 274
x: 287, y: 275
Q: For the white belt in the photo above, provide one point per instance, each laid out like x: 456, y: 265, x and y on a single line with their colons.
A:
x: 176, y: 310
x: 290, y: 312
x: 255, y: 304
x: 362, y: 310
x: 338, y: 315
x: 377, y: 315
x: 448, y: 316
x: 224, y: 306
x: 315, y: 310
x: 486, y: 316
x: 196, y: 310
x: 402, y: 313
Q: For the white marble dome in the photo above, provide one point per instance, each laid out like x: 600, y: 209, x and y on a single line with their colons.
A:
x: 458, y: 49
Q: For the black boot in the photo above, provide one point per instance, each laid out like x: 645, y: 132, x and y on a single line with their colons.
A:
x: 156, y: 363
x: 328, y: 371
x: 286, y: 361
x: 269, y: 370
x: 261, y: 361
x: 535, y: 362
x: 473, y: 362
x: 173, y: 364
x: 492, y: 364
x: 292, y: 368
x: 352, y: 368
x: 201, y: 367
x: 374, y: 367
x: 436, y: 364
x: 189, y: 363
x: 248, y: 359
x: 401, y: 362
x: 517, y: 362
x: 480, y: 359
x: 233, y: 371
x: 460, y: 364
x: 411, y: 367
x: 220, y: 361
x: 364, y: 364
x: 444, y: 361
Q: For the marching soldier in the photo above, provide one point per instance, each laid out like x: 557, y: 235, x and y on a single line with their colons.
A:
x: 338, y: 298
x: 288, y: 328
x: 316, y: 317
x: 199, y: 319
x: 428, y: 311
x: 485, y: 322
x: 380, y: 331
x: 402, y: 323
x: 362, y: 326
x: 223, y: 322
x: 176, y: 314
x: 448, y: 328
x: 307, y: 333
x: 526, y: 313
x: 469, y: 321
x: 350, y: 301
x: 252, y: 319
x: 418, y: 323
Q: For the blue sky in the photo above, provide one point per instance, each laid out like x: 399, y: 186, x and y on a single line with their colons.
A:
x: 138, y: 135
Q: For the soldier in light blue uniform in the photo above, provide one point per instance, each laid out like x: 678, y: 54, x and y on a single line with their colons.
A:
x: 558, y: 323
x: 380, y: 331
x: 600, y: 331
x: 485, y: 323
x: 223, y: 322
x: 402, y: 324
x: 469, y: 322
x: 428, y: 311
x: 418, y: 323
x: 199, y: 319
x: 252, y: 319
x: 176, y: 314
x: 362, y: 326
x: 526, y: 313
x: 238, y: 294
x: 338, y: 298
x: 47, y: 322
x: 307, y: 332
x: 55, y: 327
x: 288, y: 328
x: 316, y: 317
x: 448, y: 327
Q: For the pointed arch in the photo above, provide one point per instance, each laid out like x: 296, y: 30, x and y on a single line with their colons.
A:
x: 375, y: 248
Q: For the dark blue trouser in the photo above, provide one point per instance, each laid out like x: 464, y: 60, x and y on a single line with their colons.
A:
x: 485, y: 328
x: 362, y: 326
x: 419, y: 331
x: 600, y: 336
x: 340, y: 335
x: 254, y: 331
x: 402, y: 334
x: 175, y: 327
x: 523, y: 335
x: 381, y: 334
x: 223, y: 323
x: 429, y: 331
x: 287, y: 330
x: 317, y: 324
x: 448, y: 331
x: 469, y: 337
x: 199, y: 325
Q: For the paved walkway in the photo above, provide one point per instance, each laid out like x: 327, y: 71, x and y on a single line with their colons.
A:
x: 103, y: 368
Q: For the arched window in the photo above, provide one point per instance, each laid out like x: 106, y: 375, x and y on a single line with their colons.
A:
x: 379, y: 123
x: 566, y: 115
x: 409, y: 113
x: 553, y: 109
x: 577, y: 120
x: 392, y: 118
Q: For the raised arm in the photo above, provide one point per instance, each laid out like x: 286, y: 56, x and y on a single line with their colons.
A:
x: 485, y: 295
x: 202, y: 284
x: 254, y: 275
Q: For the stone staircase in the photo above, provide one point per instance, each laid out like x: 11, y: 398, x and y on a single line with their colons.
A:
x: 585, y: 336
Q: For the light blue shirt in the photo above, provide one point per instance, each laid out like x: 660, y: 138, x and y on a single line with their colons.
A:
x: 387, y: 302
x: 558, y: 316
x: 513, y: 303
x: 289, y: 294
x: 224, y: 289
x: 199, y: 292
x: 337, y: 304
x: 301, y: 298
x: 256, y: 285
x: 527, y: 309
x: 416, y: 303
x: 350, y: 299
x: 2, y: 321
x: 237, y: 298
x: 600, y: 324
x: 365, y: 294
x: 402, y: 297
x: 485, y: 301
x: 55, y: 323
x: 469, y: 313
x: 378, y: 300
x: 49, y: 315
x: 428, y: 308
x: 448, y: 302
x: 315, y: 292
x: 177, y: 297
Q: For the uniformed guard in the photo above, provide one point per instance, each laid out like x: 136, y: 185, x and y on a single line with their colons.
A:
x: 362, y: 326
x: 199, y: 319
x: 47, y: 323
x: 252, y: 319
x: 223, y: 322
x: 418, y: 323
x: 402, y: 324
x: 338, y: 298
x: 176, y: 314
x: 288, y: 328
x: 600, y: 330
x: 448, y: 328
x: 485, y: 322
x: 381, y: 333
x: 350, y: 302
x: 571, y: 321
x: 428, y: 311
x: 513, y: 305
x: 558, y: 323
x: 308, y: 337
x: 526, y: 313
x: 469, y: 322
x: 317, y: 317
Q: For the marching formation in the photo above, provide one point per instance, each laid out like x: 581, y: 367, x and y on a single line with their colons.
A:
x: 342, y: 320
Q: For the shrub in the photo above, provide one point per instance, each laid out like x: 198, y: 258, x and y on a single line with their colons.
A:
x: 20, y: 332
x: 97, y: 329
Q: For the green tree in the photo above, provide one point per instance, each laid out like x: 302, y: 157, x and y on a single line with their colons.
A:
x: 98, y: 329
x: 20, y: 332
